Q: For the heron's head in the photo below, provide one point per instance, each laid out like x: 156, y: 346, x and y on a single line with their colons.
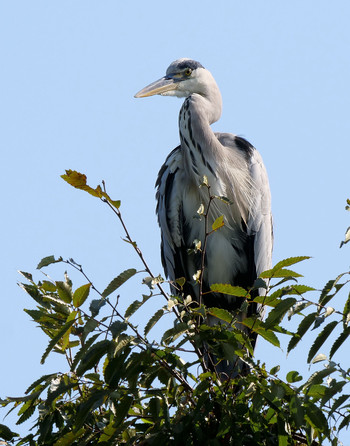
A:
x: 183, y: 78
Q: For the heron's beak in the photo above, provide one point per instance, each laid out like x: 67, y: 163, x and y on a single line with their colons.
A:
x: 161, y: 86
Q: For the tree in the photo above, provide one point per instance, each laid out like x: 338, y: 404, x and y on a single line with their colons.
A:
x: 123, y: 387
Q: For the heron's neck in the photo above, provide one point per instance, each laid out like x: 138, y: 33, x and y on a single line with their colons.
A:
x: 198, y: 140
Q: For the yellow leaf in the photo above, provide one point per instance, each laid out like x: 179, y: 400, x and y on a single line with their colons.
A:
x: 218, y: 223
x: 78, y: 180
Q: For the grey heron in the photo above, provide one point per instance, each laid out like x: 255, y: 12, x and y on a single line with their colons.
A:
x: 238, y: 252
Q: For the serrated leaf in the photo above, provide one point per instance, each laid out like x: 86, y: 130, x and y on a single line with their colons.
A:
x: 96, y: 399
x: 152, y: 322
x: 118, y: 281
x: 173, y: 333
x: 319, y: 358
x: 304, y: 325
x: 135, y: 306
x: 46, y: 378
x: 339, y: 341
x: 81, y: 294
x: 345, y: 423
x: 319, y: 320
x: 339, y: 402
x: 296, y: 411
x: 93, y: 356
x: 231, y: 290
x: 96, y: 305
x: 56, y: 339
x: 347, y: 235
x: 315, y: 417
x: 290, y: 261
x: 69, y: 438
x: 46, y: 261
x: 269, y: 336
x: 276, y: 315
x: 221, y: 313
x: 218, y: 223
x: 83, y: 350
x: 117, y: 327
x: 346, y: 309
x: 29, y: 277
x: 26, y: 411
x: 6, y: 433
x: 321, y: 338
x: 271, y: 273
x: 64, y: 291
x: 122, y: 408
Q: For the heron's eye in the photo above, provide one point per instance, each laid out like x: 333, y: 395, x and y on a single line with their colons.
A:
x: 188, y: 72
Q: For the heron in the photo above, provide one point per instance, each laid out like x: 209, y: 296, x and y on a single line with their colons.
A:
x: 242, y: 249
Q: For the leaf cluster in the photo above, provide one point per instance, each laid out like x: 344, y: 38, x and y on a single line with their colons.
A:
x: 122, y: 386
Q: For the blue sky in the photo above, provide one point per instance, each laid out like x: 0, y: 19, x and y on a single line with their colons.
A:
x: 69, y: 73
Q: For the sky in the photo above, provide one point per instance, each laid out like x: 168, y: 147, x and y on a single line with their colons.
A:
x: 69, y: 72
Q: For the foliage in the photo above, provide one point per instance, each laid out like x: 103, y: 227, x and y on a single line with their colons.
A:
x: 123, y: 387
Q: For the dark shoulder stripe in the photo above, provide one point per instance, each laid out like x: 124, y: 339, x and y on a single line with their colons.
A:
x: 244, y: 145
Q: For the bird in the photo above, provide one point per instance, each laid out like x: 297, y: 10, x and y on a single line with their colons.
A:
x: 234, y: 171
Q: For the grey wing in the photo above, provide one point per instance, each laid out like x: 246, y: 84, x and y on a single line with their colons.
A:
x: 259, y: 224
x: 169, y: 211
x: 260, y: 219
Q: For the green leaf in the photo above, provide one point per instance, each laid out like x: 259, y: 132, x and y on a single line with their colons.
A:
x: 28, y: 276
x: 345, y: 423
x: 64, y: 291
x: 152, y: 322
x: 293, y: 377
x: 70, y: 437
x: 56, y: 339
x: 276, y: 315
x: 83, y: 350
x: 339, y: 341
x: 46, y: 261
x: 117, y: 327
x: 26, y: 411
x: 96, y: 305
x: 135, y: 306
x: 81, y: 294
x: 290, y: 261
x: 173, y: 333
x: 296, y: 411
x: 231, y: 290
x: 304, y: 325
x: 346, y: 310
x: 325, y: 297
x: 315, y: 417
x: 269, y: 336
x: 93, y: 356
x: 46, y: 378
x: 85, y: 409
x: 222, y: 314
x: 271, y: 273
x: 339, y: 402
x: 321, y: 338
x: 6, y: 433
x: 218, y: 223
x: 118, y: 281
